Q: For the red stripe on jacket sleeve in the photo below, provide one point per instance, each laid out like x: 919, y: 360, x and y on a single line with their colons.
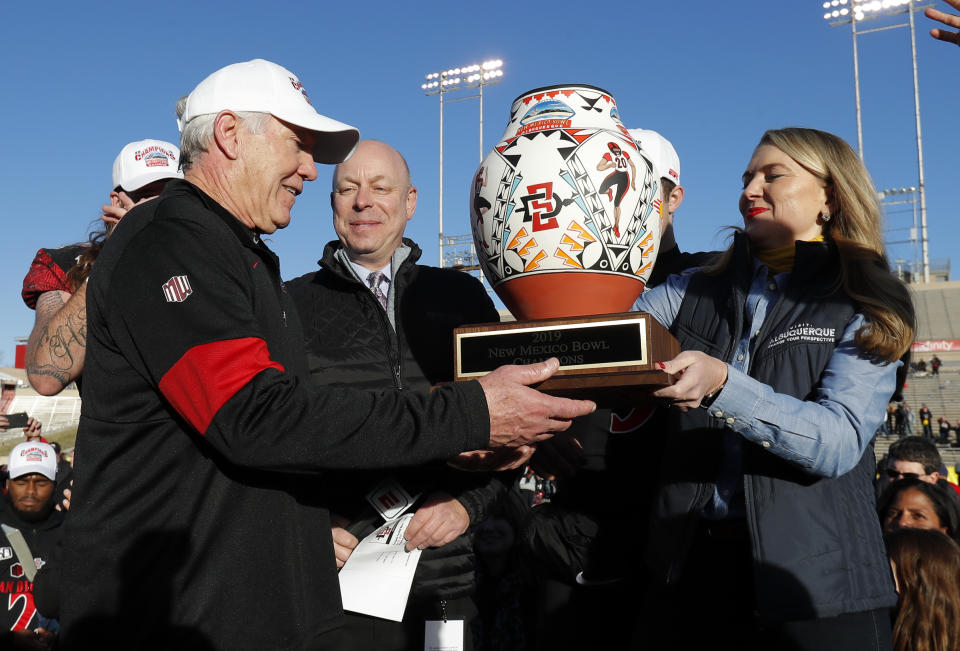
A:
x: 210, y: 374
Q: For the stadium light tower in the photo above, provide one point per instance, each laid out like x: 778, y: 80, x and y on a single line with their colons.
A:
x: 854, y: 12
x: 474, y: 75
x: 893, y: 198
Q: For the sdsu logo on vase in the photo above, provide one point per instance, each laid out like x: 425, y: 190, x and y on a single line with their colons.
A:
x: 564, y: 209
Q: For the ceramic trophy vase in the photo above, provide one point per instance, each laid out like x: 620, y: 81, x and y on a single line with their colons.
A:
x: 565, y: 211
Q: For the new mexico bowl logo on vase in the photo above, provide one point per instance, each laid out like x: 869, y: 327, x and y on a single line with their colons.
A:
x: 565, y: 210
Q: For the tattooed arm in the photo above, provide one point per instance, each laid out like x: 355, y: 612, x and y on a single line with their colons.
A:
x: 58, y: 343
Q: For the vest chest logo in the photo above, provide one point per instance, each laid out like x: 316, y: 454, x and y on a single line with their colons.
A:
x: 177, y: 289
x: 805, y: 332
x: 6, y: 553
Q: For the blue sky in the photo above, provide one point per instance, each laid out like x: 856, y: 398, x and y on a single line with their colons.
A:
x: 82, y: 79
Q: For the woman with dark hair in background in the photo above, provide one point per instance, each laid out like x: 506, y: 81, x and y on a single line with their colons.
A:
x: 926, y: 568
x: 765, y: 533
x: 916, y: 504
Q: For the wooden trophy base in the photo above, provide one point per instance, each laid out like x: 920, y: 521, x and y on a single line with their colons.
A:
x: 608, y: 358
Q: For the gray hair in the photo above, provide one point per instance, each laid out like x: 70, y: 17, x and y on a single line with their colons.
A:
x: 196, y: 135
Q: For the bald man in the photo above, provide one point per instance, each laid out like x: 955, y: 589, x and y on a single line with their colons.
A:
x: 373, y: 318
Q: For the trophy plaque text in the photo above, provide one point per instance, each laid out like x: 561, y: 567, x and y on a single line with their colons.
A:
x: 608, y: 358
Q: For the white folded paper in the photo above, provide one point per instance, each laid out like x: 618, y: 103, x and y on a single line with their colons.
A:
x: 376, y: 579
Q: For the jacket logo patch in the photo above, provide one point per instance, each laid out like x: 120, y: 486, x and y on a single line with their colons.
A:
x: 803, y: 332
x: 177, y: 289
x: 16, y: 570
x: 6, y: 553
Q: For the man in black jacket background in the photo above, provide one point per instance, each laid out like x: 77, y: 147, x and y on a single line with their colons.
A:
x: 373, y: 318
x: 27, y: 509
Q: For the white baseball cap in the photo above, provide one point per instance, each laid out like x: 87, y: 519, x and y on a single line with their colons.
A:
x: 32, y: 457
x: 266, y: 87
x: 145, y: 161
x: 661, y: 153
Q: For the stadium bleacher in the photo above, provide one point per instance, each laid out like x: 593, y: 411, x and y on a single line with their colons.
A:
x: 57, y: 413
x: 938, y: 330
x: 937, y: 305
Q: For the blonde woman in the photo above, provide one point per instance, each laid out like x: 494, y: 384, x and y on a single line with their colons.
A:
x: 791, y: 340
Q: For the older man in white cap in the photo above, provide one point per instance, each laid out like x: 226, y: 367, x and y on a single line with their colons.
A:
x: 194, y: 522
x: 30, y: 532
x: 54, y: 286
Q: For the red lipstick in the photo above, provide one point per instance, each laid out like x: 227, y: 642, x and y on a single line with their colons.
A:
x: 753, y: 212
